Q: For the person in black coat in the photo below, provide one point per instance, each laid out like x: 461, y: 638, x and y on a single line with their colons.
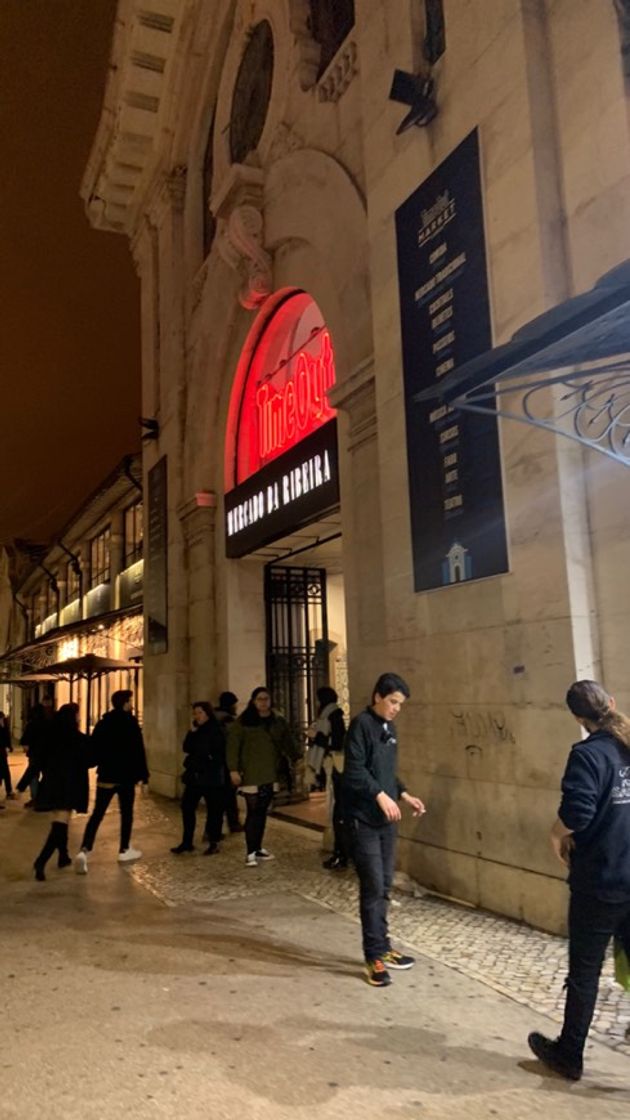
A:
x: 204, y: 777
x: 591, y: 837
x: 225, y: 713
x: 63, y: 788
x: 34, y: 738
x: 118, y: 753
x: 5, y: 748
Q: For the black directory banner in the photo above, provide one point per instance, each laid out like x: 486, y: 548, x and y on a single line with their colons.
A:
x: 455, y: 488
x: 294, y: 489
x: 156, y: 588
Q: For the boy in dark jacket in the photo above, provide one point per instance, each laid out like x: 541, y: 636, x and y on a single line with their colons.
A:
x: 119, y: 756
x: 371, y: 792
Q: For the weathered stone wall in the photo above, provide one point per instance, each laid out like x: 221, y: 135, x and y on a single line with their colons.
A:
x: 485, y: 735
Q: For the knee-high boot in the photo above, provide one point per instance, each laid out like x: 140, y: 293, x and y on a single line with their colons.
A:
x: 50, y: 845
x: 63, y: 859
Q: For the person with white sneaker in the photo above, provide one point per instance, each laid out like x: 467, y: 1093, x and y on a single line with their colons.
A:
x: 257, y: 742
x: 119, y: 756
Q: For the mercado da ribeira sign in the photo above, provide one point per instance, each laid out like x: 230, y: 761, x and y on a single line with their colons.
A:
x: 455, y: 486
x: 286, y: 464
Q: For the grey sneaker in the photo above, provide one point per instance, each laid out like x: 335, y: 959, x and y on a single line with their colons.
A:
x: 81, y: 863
x: 129, y: 855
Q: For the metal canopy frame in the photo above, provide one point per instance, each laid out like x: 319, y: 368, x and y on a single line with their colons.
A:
x: 567, y: 371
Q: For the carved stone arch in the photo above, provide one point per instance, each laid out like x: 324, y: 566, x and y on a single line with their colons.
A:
x: 329, y: 257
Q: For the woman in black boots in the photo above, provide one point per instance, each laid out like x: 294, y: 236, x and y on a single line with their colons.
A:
x: 64, y: 785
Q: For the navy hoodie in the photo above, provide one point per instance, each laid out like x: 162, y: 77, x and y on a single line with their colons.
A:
x: 596, y: 807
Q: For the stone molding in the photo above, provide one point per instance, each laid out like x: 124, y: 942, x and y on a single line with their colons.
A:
x: 356, y: 396
x: 238, y: 206
x: 197, y: 516
x: 339, y: 74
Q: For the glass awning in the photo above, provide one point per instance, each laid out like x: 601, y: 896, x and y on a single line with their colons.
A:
x: 567, y: 371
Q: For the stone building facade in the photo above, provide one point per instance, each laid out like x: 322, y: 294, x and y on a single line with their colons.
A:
x: 249, y: 151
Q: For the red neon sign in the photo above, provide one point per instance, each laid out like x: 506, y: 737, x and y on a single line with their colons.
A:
x: 280, y: 391
x: 292, y: 411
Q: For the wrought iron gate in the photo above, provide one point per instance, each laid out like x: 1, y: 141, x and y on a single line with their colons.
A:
x: 297, y: 641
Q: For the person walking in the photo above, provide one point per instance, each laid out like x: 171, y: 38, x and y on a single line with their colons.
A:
x: 119, y: 756
x: 591, y: 837
x: 371, y: 792
x: 5, y: 750
x: 34, y: 739
x: 257, y: 743
x: 226, y: 714
x: 63, y: 788
x: 327, y: 735
x: 204, y: 777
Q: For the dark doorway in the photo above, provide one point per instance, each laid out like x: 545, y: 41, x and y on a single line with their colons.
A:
x: 297, y: 645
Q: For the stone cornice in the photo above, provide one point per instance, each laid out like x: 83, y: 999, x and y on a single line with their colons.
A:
x: 122, y: 160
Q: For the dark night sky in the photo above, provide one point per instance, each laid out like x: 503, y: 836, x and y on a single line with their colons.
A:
x: 69, y: 298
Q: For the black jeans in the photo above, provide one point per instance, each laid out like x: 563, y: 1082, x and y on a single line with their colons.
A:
x: 338, y: 821
x: 30, y: 777
x: 592, y: 925
x: 5, y: 771
x: 230, y: 805
x: 256, y: 819
x: 374, y: 855
x: 126, y: 795
x: 215, y: 804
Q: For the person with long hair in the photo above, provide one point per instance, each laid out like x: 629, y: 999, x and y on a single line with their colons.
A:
x: 591, y: 837
x: 203, y: 777
x: 258, y: 741
x: 63, y: 788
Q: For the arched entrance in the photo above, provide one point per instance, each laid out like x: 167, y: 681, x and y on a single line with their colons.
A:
x: 282, y: 504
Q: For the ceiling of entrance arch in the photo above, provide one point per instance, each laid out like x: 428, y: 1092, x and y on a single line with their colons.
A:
x: 69, y: 344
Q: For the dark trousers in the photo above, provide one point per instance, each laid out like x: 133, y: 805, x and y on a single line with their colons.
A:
x: 30, y: 777
x: 374, y: 855
x: 5, y: 771
x: 230, y: 805
x: 592, y: 925
x: 126, y: 795
x: 256, y: 819
x: 215, y: 804
x: 338, y: 821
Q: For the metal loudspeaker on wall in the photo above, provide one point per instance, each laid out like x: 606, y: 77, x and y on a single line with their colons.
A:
x: 418, y: 90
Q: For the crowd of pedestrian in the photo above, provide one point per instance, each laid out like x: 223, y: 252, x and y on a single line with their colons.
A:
x: 227, y: 756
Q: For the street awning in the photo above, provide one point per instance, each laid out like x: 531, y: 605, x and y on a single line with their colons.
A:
x: 89, y: 665
x: 580, y: 350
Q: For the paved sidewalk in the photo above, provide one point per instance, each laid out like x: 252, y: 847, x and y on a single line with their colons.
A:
x: 511, y: 958
x: 193, y: 987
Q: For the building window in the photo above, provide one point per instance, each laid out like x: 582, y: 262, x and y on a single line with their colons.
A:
x: 36, y: 613
x: 252, y: 93
x: 73, y: 582
x: 51, y: 600
x: 99, y: 558
x: 331, y: 22
x: 209, y: 220
x: 133, y: 535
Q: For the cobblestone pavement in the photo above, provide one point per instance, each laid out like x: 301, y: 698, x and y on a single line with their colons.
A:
x: 512, y: 959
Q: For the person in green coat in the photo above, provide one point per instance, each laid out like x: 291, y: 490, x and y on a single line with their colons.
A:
x: 257, y: 742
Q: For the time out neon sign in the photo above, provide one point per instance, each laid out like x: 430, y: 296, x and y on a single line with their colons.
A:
x: 291, y: 411
x: 280, y: 393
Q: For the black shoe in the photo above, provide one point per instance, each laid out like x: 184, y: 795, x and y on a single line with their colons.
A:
x: 63, y: 861
x: 395, y: 960
x: 212, y: 850
x: 377, y: 975
x: 335, y: 863
x: 549, y: 1052
x: 181, y: 848
x: 38, y: 868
